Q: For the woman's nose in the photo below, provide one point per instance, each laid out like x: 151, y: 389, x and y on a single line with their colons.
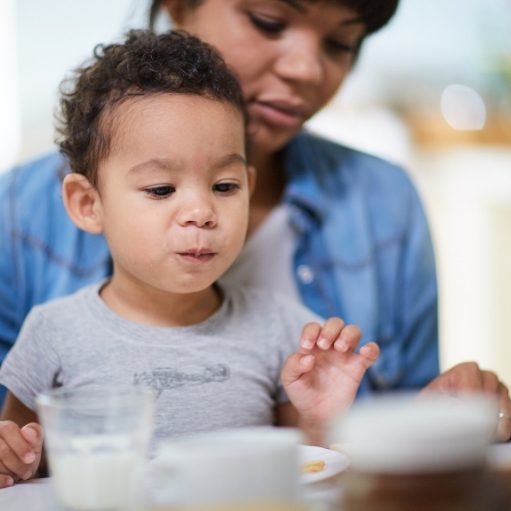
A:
x: 300, y: 60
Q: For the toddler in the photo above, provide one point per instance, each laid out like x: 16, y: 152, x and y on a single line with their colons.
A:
x: 154, y: 130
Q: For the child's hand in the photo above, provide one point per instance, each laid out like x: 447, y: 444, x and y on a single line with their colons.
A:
x: 322, y: 379
x: 20, y: 451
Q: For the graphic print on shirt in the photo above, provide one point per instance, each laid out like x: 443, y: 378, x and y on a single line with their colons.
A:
x: 166, y: 378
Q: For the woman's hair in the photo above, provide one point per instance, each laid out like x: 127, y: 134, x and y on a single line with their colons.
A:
x: 373, y: 13
x: 144, y: 64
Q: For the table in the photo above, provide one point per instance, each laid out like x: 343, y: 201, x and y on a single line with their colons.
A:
x: 37, y: 494
x: 34, y: 495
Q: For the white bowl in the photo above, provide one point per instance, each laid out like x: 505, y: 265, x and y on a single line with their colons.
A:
x: 409, y: 434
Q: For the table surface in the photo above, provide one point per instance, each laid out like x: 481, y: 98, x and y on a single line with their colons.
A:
x: 37, y: 494
x: 34, y: 495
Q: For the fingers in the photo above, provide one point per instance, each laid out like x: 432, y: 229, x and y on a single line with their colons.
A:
x: 467, y: 378
x: 369, y: 354
x: 464, y: 377
x: 492, y: 386
x: 348, y: 338
x: 5, y: 479
x: 489, y: 383
x: 334, y: 333
x: 503, y: 433
x: 296, y: 365
x: 16, y: 454
x: 310, y: 335
x: 33, y: 434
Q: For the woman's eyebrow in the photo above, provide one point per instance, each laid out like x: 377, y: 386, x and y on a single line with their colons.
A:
x: 298, y: 5
x: 301, y: 6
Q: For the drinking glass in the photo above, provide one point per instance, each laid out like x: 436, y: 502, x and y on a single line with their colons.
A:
x: 96, y: 441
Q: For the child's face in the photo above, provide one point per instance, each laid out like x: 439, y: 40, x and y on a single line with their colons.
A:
x: 174, y: 191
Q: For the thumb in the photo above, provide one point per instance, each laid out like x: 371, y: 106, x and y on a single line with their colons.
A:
x: 296, y: 365
x: 33, y: 434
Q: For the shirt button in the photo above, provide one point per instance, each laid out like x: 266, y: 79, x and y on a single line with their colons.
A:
x: 305, y: 274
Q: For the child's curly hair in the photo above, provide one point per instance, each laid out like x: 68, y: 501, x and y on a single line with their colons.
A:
x: 146, y: 63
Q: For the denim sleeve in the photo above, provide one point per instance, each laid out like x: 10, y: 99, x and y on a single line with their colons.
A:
x: 9, y: 285
x: 418, y: 302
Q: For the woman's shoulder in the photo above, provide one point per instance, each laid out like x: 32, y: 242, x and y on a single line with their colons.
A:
x: 27, y: 181
x: 346, y: 163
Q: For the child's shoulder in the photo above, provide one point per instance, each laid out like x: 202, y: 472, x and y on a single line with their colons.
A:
x: 64, y: 309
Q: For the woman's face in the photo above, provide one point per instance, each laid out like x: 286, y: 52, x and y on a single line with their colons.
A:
x: 290, y: 56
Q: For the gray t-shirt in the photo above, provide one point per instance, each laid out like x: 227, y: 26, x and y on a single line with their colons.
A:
x: 223, y: 372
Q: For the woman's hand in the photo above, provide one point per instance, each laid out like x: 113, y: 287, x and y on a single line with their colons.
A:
x: 322, y: 378
x: 468, y: 377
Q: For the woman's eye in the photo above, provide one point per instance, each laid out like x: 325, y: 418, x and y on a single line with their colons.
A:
x: 160, y: 192
x: 225, y: 187
x: 339, y: 47
x: 269, y: 26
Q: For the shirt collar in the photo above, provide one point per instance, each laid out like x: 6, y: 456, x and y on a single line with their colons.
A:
x: 301, y: 163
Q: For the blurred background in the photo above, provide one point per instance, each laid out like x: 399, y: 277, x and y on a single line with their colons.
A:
x: 432, y: 91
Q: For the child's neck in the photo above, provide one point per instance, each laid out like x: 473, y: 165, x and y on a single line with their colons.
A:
x: 150, y: 306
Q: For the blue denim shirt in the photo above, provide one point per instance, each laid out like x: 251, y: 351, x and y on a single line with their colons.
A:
x: 363, y: 252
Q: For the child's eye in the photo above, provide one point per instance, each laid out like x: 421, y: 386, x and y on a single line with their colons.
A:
x: 160, y: 192
x: 225, y: 188
x: 266, y: 25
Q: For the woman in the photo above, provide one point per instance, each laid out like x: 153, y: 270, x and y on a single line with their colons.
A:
x: 340, y: 230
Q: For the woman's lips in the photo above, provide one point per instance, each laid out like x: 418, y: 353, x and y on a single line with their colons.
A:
x: 278, y: 114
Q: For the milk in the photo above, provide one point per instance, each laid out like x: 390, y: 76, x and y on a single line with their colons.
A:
x: 96, y: 439
x: 95, y: 477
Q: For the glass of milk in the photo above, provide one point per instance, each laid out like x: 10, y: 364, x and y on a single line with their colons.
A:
x: 96, y: 440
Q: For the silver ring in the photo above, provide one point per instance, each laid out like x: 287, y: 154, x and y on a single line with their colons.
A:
x: 505, y: 416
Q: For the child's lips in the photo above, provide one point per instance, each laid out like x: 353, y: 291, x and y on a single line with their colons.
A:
x: 197, y: 256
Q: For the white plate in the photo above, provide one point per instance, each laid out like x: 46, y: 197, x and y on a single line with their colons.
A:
x: 335, y: 462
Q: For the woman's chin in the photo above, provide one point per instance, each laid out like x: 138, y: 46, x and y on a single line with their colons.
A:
x: 266, y: 139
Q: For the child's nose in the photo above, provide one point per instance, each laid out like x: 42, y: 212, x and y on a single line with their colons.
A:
x: 200, y: 214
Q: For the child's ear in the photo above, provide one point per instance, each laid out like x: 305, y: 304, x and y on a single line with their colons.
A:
x: 82, y: 203
x: 252, y: 178
x: 176, y: 9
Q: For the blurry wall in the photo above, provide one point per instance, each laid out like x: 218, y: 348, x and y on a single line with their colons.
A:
x: 49, y: 38
x: 10, y: 135
x: 432, y: 91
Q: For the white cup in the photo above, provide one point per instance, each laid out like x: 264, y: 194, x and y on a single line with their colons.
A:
x: 232, y: 469
x: 404, y: 433
x: 96, y: 441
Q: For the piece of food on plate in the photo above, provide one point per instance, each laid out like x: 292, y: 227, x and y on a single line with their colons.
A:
x: 312, y: 466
